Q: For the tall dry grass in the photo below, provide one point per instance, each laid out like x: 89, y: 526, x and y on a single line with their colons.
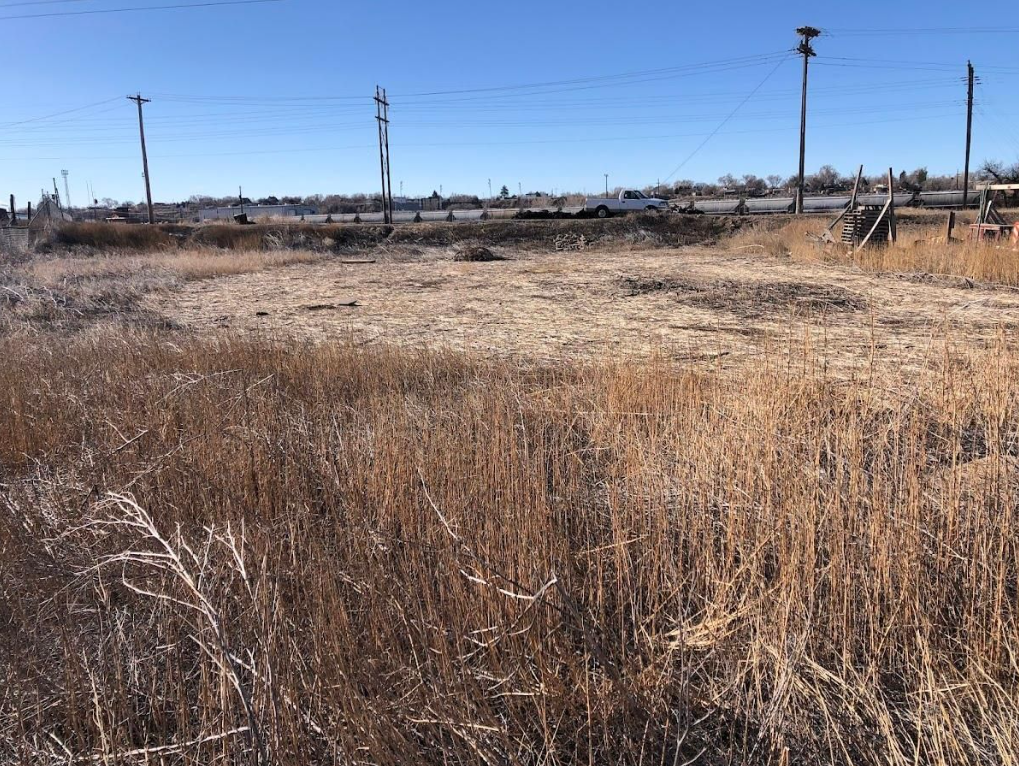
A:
x: 237, y: 552
x: 919, y: 249
x: 185, y: 265
x: 47, y: 292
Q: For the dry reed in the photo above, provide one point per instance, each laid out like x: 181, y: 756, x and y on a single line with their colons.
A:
x: 345, y: 555
x: 920, y: 249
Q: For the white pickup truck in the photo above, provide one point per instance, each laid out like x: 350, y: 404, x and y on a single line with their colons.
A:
x: 628, y: 201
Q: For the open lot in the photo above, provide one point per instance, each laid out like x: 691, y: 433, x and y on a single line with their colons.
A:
x: 698, y: 492
x: 686, y: 303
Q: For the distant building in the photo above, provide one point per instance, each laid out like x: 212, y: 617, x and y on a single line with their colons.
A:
x: 406, y: 203
x: 256, y: 211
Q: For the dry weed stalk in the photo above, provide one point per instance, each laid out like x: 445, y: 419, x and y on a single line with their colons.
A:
x: 188, y: 566
x: 445, y: 560
x: 920, y: 250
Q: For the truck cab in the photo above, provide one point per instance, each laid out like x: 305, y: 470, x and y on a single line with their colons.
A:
x: 628, y: 201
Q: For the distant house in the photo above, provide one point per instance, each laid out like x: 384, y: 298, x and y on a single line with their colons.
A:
x: 256, y: 211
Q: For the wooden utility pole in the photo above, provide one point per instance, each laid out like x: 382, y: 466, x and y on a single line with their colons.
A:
x: 969, y: 132
x: 808, y: 34
x: 145, y: 157
x: 382, y: 116
x: 892, y: 225
x: 389, y: 170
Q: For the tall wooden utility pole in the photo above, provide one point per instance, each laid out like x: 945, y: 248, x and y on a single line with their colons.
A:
x: 382, y: 116
x: 969, y: 132
x: 389, y: 170
x: 145, y: 157
x: 808, y: 34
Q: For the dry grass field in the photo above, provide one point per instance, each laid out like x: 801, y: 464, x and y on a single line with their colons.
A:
x: 687, y: 304
x: 642, y: 503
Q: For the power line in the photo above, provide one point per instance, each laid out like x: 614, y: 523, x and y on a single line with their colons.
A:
x: 59, y: 114
x: 210, y: 4
x: 836, y: 32
x: 456, y: 144
x: 259, y: 100
x: 41, y: 2
x: 743, y: 61
x: 723, y: 123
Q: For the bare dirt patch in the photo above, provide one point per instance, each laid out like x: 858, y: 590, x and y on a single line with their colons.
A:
x: 473, y: 253
x: 711, y: 303
x: 746, y: 298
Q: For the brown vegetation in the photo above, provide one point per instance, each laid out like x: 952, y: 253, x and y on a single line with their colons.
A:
x: 668, y: 230
x: 920, y: 249
x: 210, y: 549
x: 71, y: 290
x: 219, y: 549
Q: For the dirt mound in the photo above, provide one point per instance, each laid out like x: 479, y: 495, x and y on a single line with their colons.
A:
x: 474, y: 253
x: 748, y: 299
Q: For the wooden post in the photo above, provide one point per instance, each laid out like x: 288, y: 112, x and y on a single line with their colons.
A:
x: 891, y: 206
x: 850, y: 208
x: 856, y: 188
x: 950, y: 227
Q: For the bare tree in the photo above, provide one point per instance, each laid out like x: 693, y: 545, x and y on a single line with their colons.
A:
x: 1000, y: 172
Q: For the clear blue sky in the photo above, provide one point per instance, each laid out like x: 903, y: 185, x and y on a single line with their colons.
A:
x: 276, y: 96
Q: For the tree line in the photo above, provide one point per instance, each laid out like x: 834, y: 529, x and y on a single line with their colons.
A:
x: 826, y: 180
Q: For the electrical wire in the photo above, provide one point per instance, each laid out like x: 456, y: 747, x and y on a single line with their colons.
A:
x: 209, y: 4
x: 59, y: 114
x: 723, y: 123
x: 41, y: 2
x: 754, y: 59
x: 901, y: 31
x: 155, y: 154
